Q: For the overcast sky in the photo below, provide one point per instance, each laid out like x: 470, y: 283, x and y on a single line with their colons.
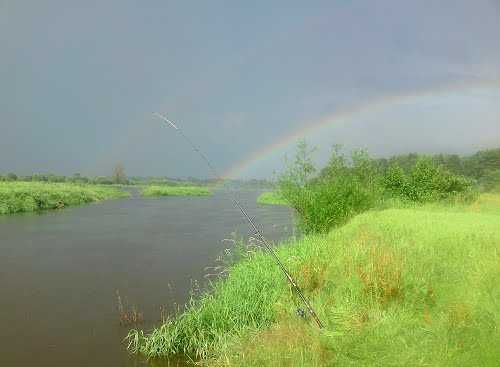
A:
x: 79, y: 80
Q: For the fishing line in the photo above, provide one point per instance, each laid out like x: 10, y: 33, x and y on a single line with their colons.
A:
x: 257, y: 233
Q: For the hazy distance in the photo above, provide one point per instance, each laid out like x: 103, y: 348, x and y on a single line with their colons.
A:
x: 79, y: 81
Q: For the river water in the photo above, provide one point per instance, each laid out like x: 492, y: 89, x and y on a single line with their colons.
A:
x: 60, y: 270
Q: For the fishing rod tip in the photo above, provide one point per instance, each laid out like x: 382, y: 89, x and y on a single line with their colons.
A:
x: 166, y: 120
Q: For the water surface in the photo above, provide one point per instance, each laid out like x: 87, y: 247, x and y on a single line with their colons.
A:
x: 59, y: 271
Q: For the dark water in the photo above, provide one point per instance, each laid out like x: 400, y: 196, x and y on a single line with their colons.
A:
x: 59, y: 271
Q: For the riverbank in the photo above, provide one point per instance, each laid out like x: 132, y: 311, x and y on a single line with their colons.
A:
x: 17, y: 197
x: 175, y: 191
x: 271, y: 198
x: 413, y: 286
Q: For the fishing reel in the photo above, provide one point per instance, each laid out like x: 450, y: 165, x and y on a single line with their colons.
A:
x: 301, y: 313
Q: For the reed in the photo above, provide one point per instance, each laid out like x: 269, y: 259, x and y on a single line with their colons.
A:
x: 128, y: 316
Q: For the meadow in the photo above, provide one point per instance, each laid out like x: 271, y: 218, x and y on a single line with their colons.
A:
x: 17, y: 197
x: 400, y: 259
x: 396, y: 287
x: 271, y: 198
x: 157, y: 190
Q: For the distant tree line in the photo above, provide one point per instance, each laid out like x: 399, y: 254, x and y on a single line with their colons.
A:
x: 118, y: 177
x: 76, y: 178
x: 483, y: 167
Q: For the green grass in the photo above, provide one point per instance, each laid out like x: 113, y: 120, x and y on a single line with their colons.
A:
x: 415, y: 286
x: 16, y: 197
x: 175, y: 191
x: 271, y: 198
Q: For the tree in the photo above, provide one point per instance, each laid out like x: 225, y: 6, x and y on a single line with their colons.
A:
x: 395, y: 180
x: 12, y: 176
x: 118, y: 176
x: 301, y: 170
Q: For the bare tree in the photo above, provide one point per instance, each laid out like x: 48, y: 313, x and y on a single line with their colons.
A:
x: 119, y: 174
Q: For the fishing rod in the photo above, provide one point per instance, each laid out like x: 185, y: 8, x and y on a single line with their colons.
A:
x: 257, y: 233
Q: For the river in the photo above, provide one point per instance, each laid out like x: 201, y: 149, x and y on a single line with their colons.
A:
x: 60, y: 270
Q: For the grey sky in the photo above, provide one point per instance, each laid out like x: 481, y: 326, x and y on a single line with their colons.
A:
x: 80, y: 80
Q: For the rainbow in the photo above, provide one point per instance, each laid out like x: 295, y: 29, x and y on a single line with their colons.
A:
x: 344, y: 115
x: 347, y: 114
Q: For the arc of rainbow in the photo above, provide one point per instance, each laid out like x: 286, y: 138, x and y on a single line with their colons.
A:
x: 350, y: 113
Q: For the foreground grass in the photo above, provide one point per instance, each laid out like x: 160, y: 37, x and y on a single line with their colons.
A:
x: 16, y: 197
x: 271, y: 198
x: 397, y: 287
x: 175, y: 191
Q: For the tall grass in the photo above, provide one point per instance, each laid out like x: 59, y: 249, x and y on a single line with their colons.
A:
x: 18, y: 197
x: 175, y: 191
x: 398, y: 287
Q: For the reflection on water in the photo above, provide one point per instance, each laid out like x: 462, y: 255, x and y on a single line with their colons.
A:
x: 60, y: 271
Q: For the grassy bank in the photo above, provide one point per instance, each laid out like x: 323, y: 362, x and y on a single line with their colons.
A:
x: 175, y: 191
x: 271, y: 198
x: 16, y: 197
x: 397, y: 287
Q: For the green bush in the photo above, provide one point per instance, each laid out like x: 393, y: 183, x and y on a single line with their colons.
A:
x: 395, y: 180
x: 427, y: 182
x: 342, y: 189
x: 326, y: 204
x: 347, y: 186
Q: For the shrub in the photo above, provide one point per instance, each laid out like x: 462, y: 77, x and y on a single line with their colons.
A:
x: 350, y: 185
x: 395, y: 180
x: 328, y: 204
x: 342, y: 189
x: 427, y: 182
